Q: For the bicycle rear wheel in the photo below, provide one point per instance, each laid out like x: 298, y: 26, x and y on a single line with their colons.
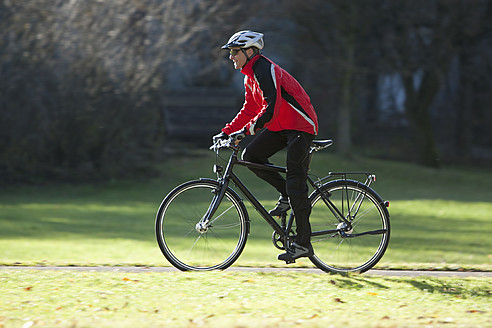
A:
x: 362, y: 246
x: 188, y: 249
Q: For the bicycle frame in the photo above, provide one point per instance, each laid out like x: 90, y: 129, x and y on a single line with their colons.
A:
x: 283, y: 232
x: 227, y: 176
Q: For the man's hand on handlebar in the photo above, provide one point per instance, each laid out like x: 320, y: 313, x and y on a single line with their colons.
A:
x: 223, y: 140
x: 237, y: 136
x: 220, y: 136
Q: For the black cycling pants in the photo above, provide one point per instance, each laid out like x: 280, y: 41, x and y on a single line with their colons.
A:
x: 265, y: 145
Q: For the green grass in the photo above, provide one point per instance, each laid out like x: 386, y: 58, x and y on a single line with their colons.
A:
x: 238, y: 299
x: 440, y: 218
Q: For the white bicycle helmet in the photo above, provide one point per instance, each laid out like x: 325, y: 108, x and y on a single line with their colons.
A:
x: 245, y: 39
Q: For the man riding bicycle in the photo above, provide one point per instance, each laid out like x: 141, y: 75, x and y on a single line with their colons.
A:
x: 276, y: 104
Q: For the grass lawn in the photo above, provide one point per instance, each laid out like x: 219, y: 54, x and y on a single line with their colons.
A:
x: 238, y: 299
x: 439, y: 218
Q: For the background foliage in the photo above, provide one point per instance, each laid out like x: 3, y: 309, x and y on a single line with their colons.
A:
x: 82, y: 82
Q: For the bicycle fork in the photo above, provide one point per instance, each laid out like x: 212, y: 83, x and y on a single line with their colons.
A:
x: 219, y: 193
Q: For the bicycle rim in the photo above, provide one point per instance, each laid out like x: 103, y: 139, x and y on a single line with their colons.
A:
x: 185, y: 247
x: 336, y: 253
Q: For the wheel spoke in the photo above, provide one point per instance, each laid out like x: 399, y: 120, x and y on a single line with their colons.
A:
x: 357, y: 250
x: 224, y: 212
x: 218, y: 245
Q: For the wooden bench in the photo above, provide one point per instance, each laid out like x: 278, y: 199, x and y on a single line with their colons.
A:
x: 199, y: 112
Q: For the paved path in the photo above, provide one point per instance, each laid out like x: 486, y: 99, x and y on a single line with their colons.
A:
x: 390, y: 273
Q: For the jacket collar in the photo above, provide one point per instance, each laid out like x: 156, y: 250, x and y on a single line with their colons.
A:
x: 248, y: 68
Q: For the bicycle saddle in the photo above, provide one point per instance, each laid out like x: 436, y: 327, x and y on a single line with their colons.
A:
x: 321, y: 144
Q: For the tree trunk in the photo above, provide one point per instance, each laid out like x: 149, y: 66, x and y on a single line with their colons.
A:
x: 344, y: 140
x: 417, y: 103
x: 344, y: 133
x: 464, y: 118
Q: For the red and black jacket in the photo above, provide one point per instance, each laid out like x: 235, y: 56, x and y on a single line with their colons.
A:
x: 273, y: 100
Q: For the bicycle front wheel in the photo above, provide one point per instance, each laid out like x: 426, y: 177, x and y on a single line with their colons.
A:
x: 359, y: 247
x: 215, y: 248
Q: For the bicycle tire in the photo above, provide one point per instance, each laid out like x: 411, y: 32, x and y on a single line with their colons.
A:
x: 364, y: 247
x: 186, y: 248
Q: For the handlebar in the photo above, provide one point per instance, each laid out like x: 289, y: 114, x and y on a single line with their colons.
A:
x: 317, y: 145
x: 223, y: 143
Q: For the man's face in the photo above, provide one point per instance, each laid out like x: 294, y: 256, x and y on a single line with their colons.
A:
x: 237, y: 57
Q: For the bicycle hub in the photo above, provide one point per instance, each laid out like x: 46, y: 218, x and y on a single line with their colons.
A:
x: 201, y: 227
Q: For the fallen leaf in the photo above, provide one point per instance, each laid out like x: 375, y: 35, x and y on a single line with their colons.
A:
x: 27, y: 288
x: 373, y: 294
x: 428, y: 316
x: 314, y: 316
x: 475, y: 311
x: 128, y: 279
x: 338, y: 300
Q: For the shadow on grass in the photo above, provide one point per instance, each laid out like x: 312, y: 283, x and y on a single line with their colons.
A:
x: 57, y: 221
x: 450, y: 288
x: 354, y: 282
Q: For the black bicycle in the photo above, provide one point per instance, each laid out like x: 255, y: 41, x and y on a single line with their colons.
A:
x: 203, y: 224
